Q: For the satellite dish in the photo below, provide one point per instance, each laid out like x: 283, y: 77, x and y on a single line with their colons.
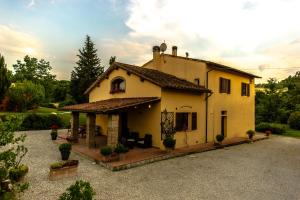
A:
x: 163, y: 47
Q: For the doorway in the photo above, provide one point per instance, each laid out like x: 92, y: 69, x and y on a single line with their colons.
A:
x: 224, y: 123
x: 124, y: 132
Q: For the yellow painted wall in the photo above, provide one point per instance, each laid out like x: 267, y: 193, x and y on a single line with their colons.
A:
x: 146, y: 120
x: 175, y: 101
x: 134, y: 87
x: 240, y: 109
x: 180, y: 67
x: 102, y: 121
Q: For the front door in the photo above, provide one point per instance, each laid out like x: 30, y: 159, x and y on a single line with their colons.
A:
x: 224, y: 123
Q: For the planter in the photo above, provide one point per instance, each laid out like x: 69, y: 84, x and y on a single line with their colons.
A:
x: 53, y: 137
x: 111, y: 158
x: 169, y: 144
x: 122, y: 156
x: 53, y: 134
x: 268, y: 133
x: 65, y: 155
x: 67, y: 170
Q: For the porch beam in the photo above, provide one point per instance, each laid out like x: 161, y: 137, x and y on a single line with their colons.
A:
x: 75, y: 125
x: 90, y: 130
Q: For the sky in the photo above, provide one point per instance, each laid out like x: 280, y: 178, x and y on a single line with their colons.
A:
x: 257, y: 36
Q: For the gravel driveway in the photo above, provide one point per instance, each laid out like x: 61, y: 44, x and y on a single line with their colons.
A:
x: 268, y: 169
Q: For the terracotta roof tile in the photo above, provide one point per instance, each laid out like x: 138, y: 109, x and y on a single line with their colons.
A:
x: 110, y: 105
x: 159, y: 78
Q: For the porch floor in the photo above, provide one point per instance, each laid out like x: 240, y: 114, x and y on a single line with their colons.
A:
x: 139, y: 156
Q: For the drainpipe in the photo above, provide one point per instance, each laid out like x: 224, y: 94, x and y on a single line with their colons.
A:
x: 206, y: 106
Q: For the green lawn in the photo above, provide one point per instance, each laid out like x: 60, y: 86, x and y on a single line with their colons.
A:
x: 66, y: 116
x: 290, y: 132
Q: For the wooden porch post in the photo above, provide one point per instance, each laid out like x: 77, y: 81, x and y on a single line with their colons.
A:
x: 113, y: 130
x: 75, y: 125
x: 90, y: 130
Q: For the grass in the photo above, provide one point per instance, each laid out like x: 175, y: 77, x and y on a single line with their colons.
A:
x: 289, y: 131
x: 66, y: 116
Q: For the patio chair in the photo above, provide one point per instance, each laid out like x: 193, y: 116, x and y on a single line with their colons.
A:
x: 145, y: 142
x: 132, y: 139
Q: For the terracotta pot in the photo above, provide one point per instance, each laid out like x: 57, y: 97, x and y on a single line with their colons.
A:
x: 65, y: 155
x: 66, y: 171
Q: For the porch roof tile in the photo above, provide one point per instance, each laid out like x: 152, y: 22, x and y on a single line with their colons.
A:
x: 110, y: 105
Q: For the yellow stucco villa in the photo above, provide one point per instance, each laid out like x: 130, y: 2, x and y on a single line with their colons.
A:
x: 203, y: 98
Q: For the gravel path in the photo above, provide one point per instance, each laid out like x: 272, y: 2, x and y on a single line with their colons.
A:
x: 268, y: 169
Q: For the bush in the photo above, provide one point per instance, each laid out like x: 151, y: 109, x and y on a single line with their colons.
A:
x: 294, y: 120
x: 274, y: 128
x: 67, y: 103
x: 56, y: 165
x: 61, y: 164
x: 263, y: 127
x: 3, y: 171
x: 48, y: 105
x: 81, y: 190
x: 220, y: 138
x: 40, y: 122
x: 250, y: 133
x: 169, y: 142
x: 65, y: 147
x: 15, y: 174
x: 106, y: 151
x: 121, y: 149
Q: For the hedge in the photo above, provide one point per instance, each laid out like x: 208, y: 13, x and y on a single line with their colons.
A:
x: 275, y: 128
x: 40, y: 122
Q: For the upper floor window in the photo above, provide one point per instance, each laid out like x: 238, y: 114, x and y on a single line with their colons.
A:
x: 245, y: 89
x: 224, y: 85
x: 117, y: 85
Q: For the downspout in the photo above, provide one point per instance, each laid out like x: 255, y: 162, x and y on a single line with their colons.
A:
x: 206, y: 106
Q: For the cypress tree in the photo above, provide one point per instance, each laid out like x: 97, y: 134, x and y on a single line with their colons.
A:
x: 4, y: 78
x: 86, y: 72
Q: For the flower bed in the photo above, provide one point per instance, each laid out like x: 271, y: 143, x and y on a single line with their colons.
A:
x: 63, y: 169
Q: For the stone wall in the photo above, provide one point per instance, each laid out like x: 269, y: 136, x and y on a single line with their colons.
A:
x: 113, y: 130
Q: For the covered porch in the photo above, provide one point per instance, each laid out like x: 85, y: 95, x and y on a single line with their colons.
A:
x: 119, y: 113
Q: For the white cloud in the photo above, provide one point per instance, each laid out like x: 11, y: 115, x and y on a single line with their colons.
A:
x: 241, y: 33
x: 14, y: 43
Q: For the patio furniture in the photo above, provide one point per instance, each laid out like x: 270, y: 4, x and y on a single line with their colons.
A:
x: 145, y: 142
x: 82, y: 131
x: 132, y: 139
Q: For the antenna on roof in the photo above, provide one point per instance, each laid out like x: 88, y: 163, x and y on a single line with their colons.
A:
x: 163, y: 47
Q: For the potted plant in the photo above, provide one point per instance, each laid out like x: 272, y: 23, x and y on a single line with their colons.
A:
x: 250, y: 134
x: 16, y: 174
x: 219, y: 139
x: 53, y: 133
x: 168, y: 131
x: 65, y: 150
x: 108, y: 154
x: 63, y: 169
x: 121, y: 150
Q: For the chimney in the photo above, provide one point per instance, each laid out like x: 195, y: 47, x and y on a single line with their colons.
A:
x: 187, y: 54
x: 156, y: 56
x: 174, y: 50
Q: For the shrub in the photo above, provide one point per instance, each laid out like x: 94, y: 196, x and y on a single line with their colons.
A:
x: 106, y: 151
x: 81, y: 190
x: 278, y: 129
x: 67, y: 103
x: 274, y: 128
x: 263, y: 127
x: 220, y: 138
x: 65, y: 147
x: 56, y: 165
x: 3, y: 171
x: 169, y: 142
x: 294, y: 120
x: 47, y: 105
x: 61, y: 164
x: 40, y: 122
x: 121, y: 149
x: 16, y: 173
x: 250, y: 133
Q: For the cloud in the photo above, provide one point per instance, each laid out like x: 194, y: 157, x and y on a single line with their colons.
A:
x: 31, y: 3
x: 241, y: 33
x: 14, y: 43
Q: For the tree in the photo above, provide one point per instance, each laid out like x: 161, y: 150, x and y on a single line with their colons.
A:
x: 25, y: 95
x: 86, y: 72
x: 37, y: 71
x: 4, y: 78
x: 112, y: 60
x: 61, y: 90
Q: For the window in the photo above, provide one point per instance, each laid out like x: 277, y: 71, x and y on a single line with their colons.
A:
x: 186, y: 121
x: 224, y: 85
x: 197, y: 81
x: 194, y: 121
x: 245, y: 89
x: 182, y: 121
x: 117, y: 85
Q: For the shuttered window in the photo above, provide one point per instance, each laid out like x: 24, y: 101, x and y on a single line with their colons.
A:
x: 245, y: 89
x: 224, y: 85
x: 194, y: 121
x: 182, y: 120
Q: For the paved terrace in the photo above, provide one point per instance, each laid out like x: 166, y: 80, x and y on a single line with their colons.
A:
x: 268, y: 169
